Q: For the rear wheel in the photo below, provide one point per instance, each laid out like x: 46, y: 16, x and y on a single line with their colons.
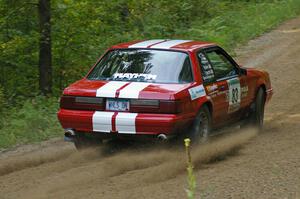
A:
x: 202, y: 126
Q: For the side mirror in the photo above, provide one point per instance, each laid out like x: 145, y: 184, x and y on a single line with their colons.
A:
x: 243, y: 71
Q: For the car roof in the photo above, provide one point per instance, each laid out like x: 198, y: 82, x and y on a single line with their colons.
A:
x: 182, y: 45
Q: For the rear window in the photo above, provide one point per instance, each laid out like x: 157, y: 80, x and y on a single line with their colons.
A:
x: 143, y: 65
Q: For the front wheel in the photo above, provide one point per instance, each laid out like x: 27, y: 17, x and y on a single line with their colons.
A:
x: 202, y: 126
x: 256, y: 117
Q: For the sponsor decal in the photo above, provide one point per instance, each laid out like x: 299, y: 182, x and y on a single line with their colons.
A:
x: 212, y: 88
x: 203, y: 58
x: 207, y: 71
x: 244, y: 91
x: 234, y: 94
x: 208, y: 77
x: 197, y: 92
x: 130, y: 76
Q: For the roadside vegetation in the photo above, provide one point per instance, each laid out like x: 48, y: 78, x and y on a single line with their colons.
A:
x: 82, y: 30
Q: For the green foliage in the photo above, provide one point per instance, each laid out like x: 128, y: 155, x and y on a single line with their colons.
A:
x: 2, y: 106
x: 244, y: 21
x: 2, y: 100
x: 34, y: 121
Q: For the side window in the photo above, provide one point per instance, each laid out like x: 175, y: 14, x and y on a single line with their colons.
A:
x: 221, y: 65
x: 207, y: 71
x: 186, y: 74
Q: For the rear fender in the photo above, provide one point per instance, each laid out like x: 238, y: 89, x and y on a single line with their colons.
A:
x: 204, y: 101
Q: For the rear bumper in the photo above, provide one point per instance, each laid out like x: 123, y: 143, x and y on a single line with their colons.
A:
x: 124, y: 123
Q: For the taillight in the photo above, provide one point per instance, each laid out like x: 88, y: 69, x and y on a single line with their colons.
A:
x: 170, y: 106
x: 144, y: 106
x: 136, y: 102
x: 81, y: 103
x: 155, y: 106
x: 136, y: 105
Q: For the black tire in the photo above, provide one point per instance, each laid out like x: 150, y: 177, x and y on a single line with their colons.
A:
x: 201, y: 127
x: 257, y: 116
x: 81, y: 142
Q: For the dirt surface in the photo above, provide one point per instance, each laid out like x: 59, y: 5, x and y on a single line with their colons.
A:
x: 238, y: 165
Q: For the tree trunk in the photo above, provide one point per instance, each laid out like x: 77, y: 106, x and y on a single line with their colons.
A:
x: 45, y: 57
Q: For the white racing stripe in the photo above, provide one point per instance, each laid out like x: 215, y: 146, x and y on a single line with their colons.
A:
x: 109, y: 89
x: 133, y: 90
x: 102, y: 121
x: 125, y: 123
x: 169, y: 44
x: 145, y: 44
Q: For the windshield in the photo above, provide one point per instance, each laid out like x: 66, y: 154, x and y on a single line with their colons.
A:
x: 142, y: 65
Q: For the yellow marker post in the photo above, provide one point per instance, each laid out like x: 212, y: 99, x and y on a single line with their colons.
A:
x: 191, y: 177
x: 187, y: 143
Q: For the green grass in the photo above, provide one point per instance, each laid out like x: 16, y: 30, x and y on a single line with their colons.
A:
x: 35, y: 119
x: 243, y: 22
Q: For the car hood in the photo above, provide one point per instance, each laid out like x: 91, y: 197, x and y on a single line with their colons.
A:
x: 131, y: 90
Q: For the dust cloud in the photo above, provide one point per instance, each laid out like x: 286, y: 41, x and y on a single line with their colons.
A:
x: 164, y: 162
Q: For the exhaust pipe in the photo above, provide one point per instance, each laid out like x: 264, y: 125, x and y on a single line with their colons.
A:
x: 162, y: 137
x: 69, y: 135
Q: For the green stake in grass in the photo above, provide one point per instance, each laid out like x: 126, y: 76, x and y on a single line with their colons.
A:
x: 191, y: 178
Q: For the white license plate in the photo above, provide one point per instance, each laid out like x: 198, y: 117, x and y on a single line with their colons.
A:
x: 117, y: 105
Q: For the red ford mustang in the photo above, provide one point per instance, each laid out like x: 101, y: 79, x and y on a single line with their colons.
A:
x: 162, y: 88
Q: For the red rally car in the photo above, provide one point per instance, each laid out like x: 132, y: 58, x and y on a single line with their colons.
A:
x: 161, y: 88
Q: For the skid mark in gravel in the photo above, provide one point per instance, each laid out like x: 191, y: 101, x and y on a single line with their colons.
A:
x: 64, y: 156
x: 170, y: 161
x: 207, y: 153
x: 80, y: 170
x: 17, y: 163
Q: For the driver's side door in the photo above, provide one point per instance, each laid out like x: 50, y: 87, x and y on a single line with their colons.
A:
x: 224, y: 85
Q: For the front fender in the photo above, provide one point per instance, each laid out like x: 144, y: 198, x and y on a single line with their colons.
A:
x: 263, y: 81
